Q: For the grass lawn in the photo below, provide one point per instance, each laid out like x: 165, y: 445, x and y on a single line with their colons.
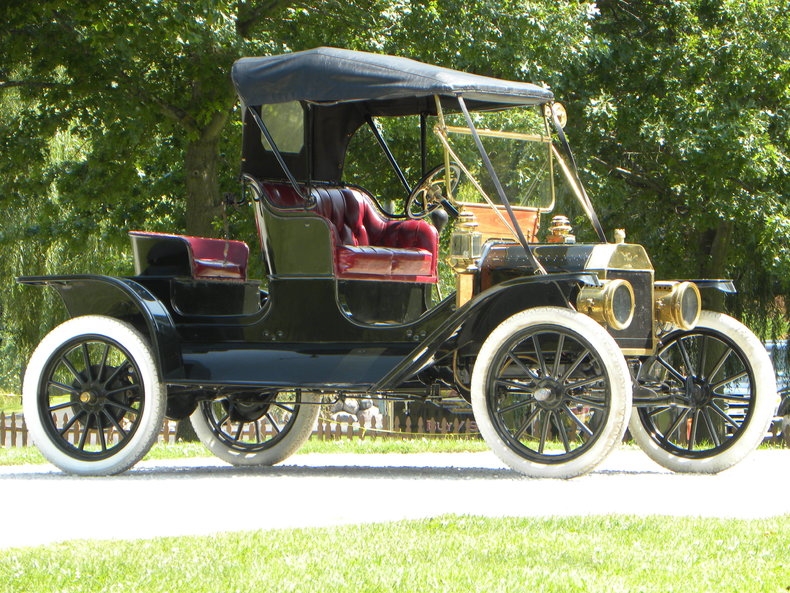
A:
x: 451, y: 553
x: 10, y: 402
x: 30, y: 455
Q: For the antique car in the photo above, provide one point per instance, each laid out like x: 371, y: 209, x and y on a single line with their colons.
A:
x: 408, y: 251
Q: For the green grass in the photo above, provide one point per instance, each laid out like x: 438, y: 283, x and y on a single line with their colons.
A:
x: 394, y: 445
x: 451, y: 553
x: 10, y: 403
x: 355, y: 446
x: 20, y: 456
x: 30, y: 455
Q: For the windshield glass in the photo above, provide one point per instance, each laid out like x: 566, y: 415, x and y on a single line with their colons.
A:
x: 366, y: 164
x: 516, y: 140
x: 519, y: 145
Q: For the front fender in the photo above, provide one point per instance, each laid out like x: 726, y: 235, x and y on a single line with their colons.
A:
x: 475, y: 319
x: 491, y: 307
x: 722, y: 285
x: 124, y: 299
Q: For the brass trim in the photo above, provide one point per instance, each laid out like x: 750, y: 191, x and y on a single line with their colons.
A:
x: 500, y: 134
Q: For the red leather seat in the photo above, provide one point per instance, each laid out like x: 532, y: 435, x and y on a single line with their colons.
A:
x: 201, y: 257
x: 368, y: 245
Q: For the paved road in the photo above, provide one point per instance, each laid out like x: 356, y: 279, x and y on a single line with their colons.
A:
x: 204, y: 496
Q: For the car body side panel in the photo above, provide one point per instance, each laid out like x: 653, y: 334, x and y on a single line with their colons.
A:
x: 351, y: 366
x: 286, y: 344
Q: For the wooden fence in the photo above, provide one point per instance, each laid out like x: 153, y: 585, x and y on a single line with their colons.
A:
x: 13, y: 430
x: 394, y: 428
x: 14, y: 433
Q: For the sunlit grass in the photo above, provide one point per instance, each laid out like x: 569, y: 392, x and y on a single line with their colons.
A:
x: 451, y: 553
x: 10, y: 403
x: 395, y: 445
x: 20, y: 456
x: 182, y: 450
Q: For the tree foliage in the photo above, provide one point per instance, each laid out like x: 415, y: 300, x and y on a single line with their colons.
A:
x: 683, y: 112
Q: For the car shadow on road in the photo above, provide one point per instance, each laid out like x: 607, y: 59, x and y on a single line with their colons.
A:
x: 365, y: 472
x: 339, y: 471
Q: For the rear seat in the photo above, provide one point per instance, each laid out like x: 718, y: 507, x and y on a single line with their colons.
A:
x: 368, y: 245
x: 202, y: 258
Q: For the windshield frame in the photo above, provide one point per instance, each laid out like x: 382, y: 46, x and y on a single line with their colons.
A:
x: 566, y: 161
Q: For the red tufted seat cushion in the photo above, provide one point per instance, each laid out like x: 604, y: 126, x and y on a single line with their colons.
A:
x: 368, y: 245
x: 201, y: 257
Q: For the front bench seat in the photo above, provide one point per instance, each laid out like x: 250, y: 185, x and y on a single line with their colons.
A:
x: 367, y: 244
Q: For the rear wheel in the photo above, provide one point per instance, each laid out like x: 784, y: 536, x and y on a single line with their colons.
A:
x: 551, y: 392
x: 256, y: 428
x: 723, y: 390
x: 92, y: 397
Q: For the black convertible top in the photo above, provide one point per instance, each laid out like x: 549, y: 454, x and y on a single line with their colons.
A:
x: 387, y: 85
x: 340, y: 90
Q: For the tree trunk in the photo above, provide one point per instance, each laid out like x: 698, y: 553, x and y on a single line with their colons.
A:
x: 202, y: 185
x: 185, y: 432
x: 203, y: 205
x: 716, y: 264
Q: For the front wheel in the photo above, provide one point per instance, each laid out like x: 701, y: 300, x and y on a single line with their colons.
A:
x: 721, y: 391
x: 551, y: 393
x: 92, y: 397
x: 256, y: 428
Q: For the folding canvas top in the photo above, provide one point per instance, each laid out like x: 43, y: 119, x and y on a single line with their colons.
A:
x: 385, y: 85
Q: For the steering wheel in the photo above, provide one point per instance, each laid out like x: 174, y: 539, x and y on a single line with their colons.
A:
x: 428, y: 194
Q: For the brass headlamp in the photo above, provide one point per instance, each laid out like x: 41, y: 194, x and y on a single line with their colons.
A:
x: 677, y: 304
x: 611, y: 303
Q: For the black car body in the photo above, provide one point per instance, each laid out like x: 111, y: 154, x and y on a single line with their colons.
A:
x: 551, y: 341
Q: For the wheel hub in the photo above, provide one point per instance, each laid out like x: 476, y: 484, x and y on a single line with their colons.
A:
x: 699, y: 392
x: 88, y: 397
x: 549, y: 394
x: 93, y: 397
x: 90, y: 400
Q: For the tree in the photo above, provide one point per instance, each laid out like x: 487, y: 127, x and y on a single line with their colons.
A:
x: 683, y: 112
x: 116, y: 115
x: 513, y: 39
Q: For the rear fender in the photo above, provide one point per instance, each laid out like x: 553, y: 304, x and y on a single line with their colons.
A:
x: 123, y: 299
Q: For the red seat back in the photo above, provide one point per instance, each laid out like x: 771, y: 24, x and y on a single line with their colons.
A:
x: 356, y: 221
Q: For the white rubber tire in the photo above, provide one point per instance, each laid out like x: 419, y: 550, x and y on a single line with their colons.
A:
x: 764, y: 402
x: 620, y: 390
x: 298, y: 432
x: 149, y: 423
